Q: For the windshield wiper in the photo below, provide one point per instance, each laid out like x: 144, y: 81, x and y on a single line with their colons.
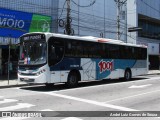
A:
x: 38, y: 59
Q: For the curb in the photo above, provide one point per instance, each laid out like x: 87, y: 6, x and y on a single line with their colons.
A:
x: 17, y: 85
x: 153, y: 74
x: 25, y: 84
x: 9, y: 86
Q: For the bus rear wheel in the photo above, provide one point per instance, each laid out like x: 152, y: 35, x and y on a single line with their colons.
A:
x: 127, y: 75
x: 72, y: 80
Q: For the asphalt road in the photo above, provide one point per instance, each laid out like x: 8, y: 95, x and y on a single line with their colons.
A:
x: 108, y: 100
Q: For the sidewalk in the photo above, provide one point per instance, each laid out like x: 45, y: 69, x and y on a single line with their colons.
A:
x: 150, y: 72
x: 13, y: 82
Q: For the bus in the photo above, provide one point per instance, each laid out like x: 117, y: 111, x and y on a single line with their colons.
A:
x: 50, y: 58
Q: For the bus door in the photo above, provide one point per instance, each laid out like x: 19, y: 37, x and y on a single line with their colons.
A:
x: 55, y: 56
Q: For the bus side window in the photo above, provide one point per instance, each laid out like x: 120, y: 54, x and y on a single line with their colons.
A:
x: 51, y: 55
x: 59, y: 51
x: 113, y: 51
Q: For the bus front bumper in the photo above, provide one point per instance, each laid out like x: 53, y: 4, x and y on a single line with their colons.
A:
x: 32, y: 79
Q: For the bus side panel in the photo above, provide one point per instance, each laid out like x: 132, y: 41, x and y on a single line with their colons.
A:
x: 89, y: 69
x: 124, y: 64
x: 96, y: 69
x: 60, y: 71
x: 64, y: 75
x: 55, y: 76
x: 134, y: 72
x: 104, y: 68
x: 113, y: 68
x: 141, y: 71
x: 141, y: 67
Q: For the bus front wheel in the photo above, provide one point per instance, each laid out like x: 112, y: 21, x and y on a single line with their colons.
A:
x: 127, y: 75
x: 72, y: 80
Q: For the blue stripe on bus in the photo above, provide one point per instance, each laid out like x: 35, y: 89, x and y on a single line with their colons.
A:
x: 103, y: 67
x: 67, y: 64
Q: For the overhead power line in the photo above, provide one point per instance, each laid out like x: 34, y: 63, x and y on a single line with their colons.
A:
x: 84, y: 5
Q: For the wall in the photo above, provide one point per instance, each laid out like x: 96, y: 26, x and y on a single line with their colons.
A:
x: 153, y: 45
x: 132, y: 20
x: 153, y: 49
x: 149, y: 8
x: 89, y: 21
x: 43, y: 7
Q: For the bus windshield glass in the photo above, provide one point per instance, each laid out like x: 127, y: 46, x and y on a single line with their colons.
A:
x: 33, y: 53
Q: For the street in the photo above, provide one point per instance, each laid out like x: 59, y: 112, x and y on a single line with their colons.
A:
x: 87, y: 101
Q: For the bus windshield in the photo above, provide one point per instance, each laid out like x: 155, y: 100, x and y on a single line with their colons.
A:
x: 32, y: 53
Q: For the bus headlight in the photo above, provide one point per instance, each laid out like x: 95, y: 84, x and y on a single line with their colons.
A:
x: 40, y: 72
x: 19, y: 72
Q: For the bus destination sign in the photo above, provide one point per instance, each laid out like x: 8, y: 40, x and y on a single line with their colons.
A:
x: 33, y: 37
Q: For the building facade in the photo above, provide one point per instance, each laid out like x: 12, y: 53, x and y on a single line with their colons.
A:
x: 85, y: 18
x: 21, y: 16
x: 89, y: 18
x: 146, y: 15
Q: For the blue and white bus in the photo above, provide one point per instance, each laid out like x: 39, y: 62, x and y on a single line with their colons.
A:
x: 55, y: 58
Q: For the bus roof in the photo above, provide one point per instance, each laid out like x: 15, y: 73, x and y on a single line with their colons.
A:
x: 89, y: 38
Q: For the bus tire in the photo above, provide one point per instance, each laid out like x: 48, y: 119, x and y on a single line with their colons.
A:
x: 49, y: 85
x: 72, y: 80
x: 127, y: 74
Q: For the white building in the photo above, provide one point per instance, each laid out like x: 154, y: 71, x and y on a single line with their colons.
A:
x: 146, y: 15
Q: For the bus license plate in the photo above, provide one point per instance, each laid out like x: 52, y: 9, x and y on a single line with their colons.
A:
x: 25, y: 79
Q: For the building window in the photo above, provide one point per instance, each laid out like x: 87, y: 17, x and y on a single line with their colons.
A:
x: 150, y: 27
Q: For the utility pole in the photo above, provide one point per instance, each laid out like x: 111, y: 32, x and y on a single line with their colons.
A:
x: 119, y: 4
x: 9, y: 44
x: 68, y: 23
x: 104, y: 18
x: 78, y: 17
x: 118, y: 20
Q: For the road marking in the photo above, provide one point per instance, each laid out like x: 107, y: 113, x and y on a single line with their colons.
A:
x: 47, y: 110
x: 102, y: 85
x: 1, y: 97
x: 8, y: 101
x: 88, y: 87
x: 132, y: 96
x: 91, y: 102
x: 140, y: 86
x: 19, y: 106
x: 71, y: 118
